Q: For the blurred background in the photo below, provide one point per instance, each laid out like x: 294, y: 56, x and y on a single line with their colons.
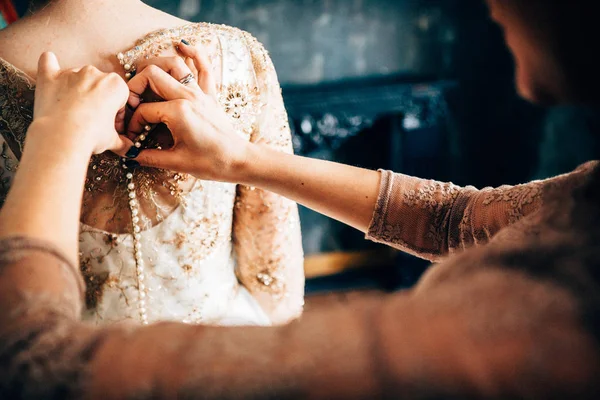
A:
x: 423, y: 87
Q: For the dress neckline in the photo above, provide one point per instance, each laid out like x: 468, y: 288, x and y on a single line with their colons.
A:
x: 24, y: 76
x: 130, y: 55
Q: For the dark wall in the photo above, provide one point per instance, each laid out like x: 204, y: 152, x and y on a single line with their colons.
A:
x: 313, y: 41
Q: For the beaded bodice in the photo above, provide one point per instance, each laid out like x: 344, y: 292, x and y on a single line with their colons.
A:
x: 198, y: 240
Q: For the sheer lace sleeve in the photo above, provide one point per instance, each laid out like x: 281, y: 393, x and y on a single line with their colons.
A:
x: 266, y: 226
x: 432, y: 219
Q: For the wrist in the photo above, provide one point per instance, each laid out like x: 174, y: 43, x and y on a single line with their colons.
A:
x: 241, y: 168
x: 61, y: 134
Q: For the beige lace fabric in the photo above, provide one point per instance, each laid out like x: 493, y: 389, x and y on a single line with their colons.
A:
x: 214, y: 253
x: 516, y: 318
x: 432, y: 219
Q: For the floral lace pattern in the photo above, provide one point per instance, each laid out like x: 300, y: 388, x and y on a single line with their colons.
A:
x: 200, y: 240
x: 433, y: 219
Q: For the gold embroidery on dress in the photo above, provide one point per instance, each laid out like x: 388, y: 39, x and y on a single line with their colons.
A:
x: 96, y: 280
x: 16, y: 106
x: 240, y: 101
x: 267, y: 216
x: 153, y: 44
x: 94, y: 283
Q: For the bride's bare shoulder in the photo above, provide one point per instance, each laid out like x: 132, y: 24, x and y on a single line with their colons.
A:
x: 10, y: 39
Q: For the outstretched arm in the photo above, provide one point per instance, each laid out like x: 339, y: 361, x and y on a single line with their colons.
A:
x: 423, y: 217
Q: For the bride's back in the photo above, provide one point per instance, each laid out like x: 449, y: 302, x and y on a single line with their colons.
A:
x: 80, y: 32
x: 155, y: 244
x: 92, y: 33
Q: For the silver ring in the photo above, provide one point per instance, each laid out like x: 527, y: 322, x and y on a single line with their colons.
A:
x: 190, y: 77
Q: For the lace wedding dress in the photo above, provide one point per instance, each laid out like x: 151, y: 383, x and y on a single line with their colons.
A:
x: 156, y: 245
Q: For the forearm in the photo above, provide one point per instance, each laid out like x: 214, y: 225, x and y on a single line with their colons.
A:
x: 342, y: 192
x: 45, y: 199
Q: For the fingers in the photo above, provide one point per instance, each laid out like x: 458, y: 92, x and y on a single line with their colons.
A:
x: 120, y: 120
x: 202, y: 63
x: 190, y: 63
x: 161, y: 83
x: 164, y: 159
x: 48, y: 66
x: 120, y: 145
x: 153, y: 113
x: 174, y: 66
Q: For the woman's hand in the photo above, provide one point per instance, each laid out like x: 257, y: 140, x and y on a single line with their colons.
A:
x: 207, y: 146
x: 205, y: 142
x: 74, y: 116
x: 80, y: 107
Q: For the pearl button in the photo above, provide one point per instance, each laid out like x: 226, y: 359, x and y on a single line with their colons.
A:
x: 131, y: 195
x: 131, y: 186
x: 129, y: 175
x: 137, y: 144
x: 136, y: 220
x: 142, y: 137
x: 127, y: 67
x: 148, y: 128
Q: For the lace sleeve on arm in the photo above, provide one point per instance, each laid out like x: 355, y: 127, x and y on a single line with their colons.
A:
x: 431, y: 219
x: 266, y: 227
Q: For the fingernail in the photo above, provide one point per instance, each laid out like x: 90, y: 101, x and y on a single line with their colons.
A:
x: 185, y: 42
x: 133, y: 152
x: 131, y: 164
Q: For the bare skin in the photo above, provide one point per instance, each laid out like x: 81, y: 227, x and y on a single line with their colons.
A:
x: 81, y: 33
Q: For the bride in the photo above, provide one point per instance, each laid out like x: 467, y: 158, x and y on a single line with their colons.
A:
x: 156, y: 245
